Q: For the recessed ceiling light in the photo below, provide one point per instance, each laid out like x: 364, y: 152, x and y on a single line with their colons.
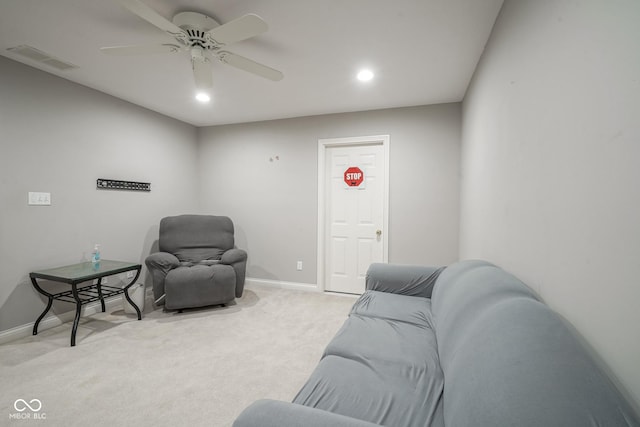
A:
x: 365, y: 75
x: 203, y: 97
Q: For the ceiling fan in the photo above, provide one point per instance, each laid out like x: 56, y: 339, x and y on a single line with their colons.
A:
x: 203, y: 38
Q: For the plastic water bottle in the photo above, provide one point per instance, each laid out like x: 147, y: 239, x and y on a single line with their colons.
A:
x: 95, y: 257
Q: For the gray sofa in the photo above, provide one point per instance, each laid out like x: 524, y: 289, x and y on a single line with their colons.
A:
x: 466, y: 345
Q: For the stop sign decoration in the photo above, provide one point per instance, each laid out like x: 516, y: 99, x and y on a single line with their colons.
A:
x: 353, y: 176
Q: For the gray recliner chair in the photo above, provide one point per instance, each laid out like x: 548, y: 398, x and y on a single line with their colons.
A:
x: 198, y: 263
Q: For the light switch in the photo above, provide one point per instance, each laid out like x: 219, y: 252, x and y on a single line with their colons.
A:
x: 39, y: 198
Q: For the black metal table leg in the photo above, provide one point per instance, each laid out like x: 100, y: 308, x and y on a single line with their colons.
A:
x: 76, y: 320
x: 99, y: 287
x: 48, y: 295
x: 133, y: 304
x: 126, y: 295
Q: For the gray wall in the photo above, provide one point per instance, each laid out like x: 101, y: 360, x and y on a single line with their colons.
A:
x: 551, y: 165
x: 59, y: 137
x: 274, y: 203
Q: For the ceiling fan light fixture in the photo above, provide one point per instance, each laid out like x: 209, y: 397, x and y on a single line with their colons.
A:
x: 365, y: 75
x: 203, y: 97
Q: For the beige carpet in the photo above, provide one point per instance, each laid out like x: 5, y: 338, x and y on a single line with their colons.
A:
x: 201, y: 367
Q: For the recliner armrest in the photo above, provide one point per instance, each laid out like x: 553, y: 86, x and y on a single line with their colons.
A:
x: 233, y: 255
x: 159, y: 264
x: 237, y: 258
x: 410, y: 280
x: 162, y: 260
x: 273, y: 413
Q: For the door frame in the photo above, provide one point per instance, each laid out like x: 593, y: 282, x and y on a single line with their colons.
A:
x: 323, y: 146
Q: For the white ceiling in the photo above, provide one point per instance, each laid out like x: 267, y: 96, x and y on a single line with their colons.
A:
x: 422, y: 52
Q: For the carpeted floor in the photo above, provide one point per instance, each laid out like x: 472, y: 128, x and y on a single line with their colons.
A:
x: 201, y: 367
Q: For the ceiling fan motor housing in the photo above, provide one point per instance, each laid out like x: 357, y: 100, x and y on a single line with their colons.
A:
x: 196, y: 26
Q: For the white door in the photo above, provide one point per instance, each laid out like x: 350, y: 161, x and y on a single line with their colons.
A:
x: 355, y: 214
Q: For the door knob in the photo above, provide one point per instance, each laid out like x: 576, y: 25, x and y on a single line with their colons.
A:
x: 378, y: 233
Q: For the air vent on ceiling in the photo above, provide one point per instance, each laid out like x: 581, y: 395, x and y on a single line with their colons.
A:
x: 40, y: 56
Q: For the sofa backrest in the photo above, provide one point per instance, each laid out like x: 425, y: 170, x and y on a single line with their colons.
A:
x: 509, y: 360
x: 194, y: 238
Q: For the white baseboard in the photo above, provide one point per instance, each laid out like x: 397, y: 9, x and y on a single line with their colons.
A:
x: 250, y: 281
x: 53, y: 320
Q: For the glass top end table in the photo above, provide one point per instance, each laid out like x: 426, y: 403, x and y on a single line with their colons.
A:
x: 79, y: 273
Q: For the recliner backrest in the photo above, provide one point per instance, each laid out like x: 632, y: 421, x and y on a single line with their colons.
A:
x: 194, y: 238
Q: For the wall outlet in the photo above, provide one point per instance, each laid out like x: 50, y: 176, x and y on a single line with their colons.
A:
x: 299, y: 266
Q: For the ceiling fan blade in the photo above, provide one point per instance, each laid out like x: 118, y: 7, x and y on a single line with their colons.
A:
x: 250, y: 66
x: 242, y: 28
x: 154, y: 18
x: 202, y: 70
x: 140, y: 49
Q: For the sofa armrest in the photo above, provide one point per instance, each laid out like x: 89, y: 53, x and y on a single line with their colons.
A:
x: 413, y: 280
x: 273, y: 413
x: 237, y: 258
x: 159, y: 264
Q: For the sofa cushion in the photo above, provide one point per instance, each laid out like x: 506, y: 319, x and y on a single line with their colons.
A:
x: 273, y: 413
x: 369, y: 392
x: 406, y: 349
x: 509, y: 360
x: 383, y: 305
x: 463, y: 291
x: 382, y: 366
